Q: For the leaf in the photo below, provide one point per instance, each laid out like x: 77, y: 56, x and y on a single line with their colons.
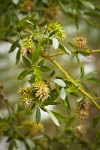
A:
x: 51, y: 74
x: 55, y: 43
x: 37, y: 73
x: 67, y: 105
x: 82, y: 71
x: 60, y: 82
x: 62, y: 94
x: 27, y: 146
x: 36, y: 54
x: 72, y: 90
x: 23, y: 74
x: 14, y: 45
x: 88, y: 5
x: 38, y: 115
x: 59, y: 116
x: 41, y: 62
x: 18, y: 56
x: 90, y: 75
x: 93, y: 80
x: 86, y: 88
x: 26, y: 61
x: 45, y: 68
x: 18, y: 144
x: 11, y: 146
x: 30, y: 143
x: 53, y: 118
x: 64, y: 48
x: 48, y: 102
x: 28, y: 21
x: 95, y: 121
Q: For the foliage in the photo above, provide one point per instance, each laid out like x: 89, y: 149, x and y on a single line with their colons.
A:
x: 33, y: 29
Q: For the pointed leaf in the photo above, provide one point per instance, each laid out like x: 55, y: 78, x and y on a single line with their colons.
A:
x: 60, y: 82
x: 30, y: 143
x: 53, y: 118
x: 41, y: 62
x: 55, y: 43
x: 67, y: 104
x: 18, y: 56
x: 11, y: 145
x: 51, y: 74
x: 23, y: 74
x: 88, y: 5
x: 26, y: 61
x: 45, y: 68
x: 38, y: 115
x: 38, y: 73
x: 62, y: 94
x: 64, y: 48
x: 59, y: 116
x: 14, y: 45
x: 36, y: 54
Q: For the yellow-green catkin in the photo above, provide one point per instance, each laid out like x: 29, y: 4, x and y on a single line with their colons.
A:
x: 80, y: 43
x: 27, y: 47
x: 51, y: 12
x: 32, y: 128
x: 26, y: 97
x: 27, y: 6
x: 54, y: 29
x: 82, y: 110
x: 41, y: 90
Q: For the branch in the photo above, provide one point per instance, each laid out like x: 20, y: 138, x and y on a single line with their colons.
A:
x: 72, y: 80
x: 7, y: 102
x: 74, y: 51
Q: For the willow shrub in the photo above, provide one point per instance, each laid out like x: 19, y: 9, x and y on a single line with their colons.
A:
x: 32, y: 29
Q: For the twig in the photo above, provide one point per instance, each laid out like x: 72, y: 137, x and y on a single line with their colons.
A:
x: 72, y: 80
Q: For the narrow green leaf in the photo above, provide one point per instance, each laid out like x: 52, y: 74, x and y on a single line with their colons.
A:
x: 51, y: 74
x: 41, y: 62
x: 86, y: 88
x: 11, y: 145
x: 88, y: 5
x: 59, y: 116
x: 93, y: 80
x: 60, y: 82
x: 28, y: 21
x: 62, y: 94
x: 26, y: 61
x: 53, y: 118
x: 37, y: 73
x: 27, y: 146
x: 14, y: 45
x: 23, y: 74
x: 64, y: 48
x: 90, y: 75
x: 18, y: 144
x: 72, y: 90
x: 18, y: 56
x: 67, y: 104
x: 30, y: 143
x: 45, y: 68
x: 55, y: 43
x: 48, y: 102
x: 82, y: 71
x: 36, y: 54
x: 38, y: 115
